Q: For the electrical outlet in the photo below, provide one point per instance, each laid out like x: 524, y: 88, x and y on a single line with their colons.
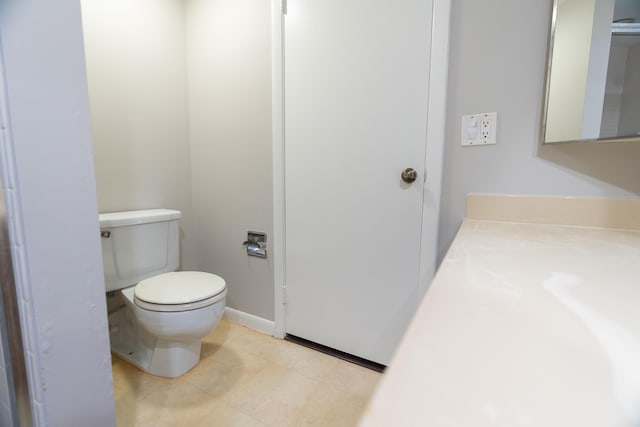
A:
x: 479, y: 129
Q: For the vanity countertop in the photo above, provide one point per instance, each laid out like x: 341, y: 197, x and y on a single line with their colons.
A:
x: 525, y: 324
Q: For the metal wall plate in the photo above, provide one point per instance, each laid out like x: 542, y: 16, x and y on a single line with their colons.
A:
x: 256, y: 244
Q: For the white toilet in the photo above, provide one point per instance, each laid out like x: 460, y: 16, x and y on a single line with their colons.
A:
x: 166, y: 313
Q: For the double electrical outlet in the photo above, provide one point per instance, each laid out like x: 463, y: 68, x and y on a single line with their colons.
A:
x: 479, y: 129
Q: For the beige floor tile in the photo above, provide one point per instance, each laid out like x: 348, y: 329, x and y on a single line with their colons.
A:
x: 352, y: 378
x: 246, y: 378
x: 271, y: 394
x: 331, y: 407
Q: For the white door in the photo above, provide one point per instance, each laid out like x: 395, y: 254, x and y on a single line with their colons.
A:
x: 356, y: 83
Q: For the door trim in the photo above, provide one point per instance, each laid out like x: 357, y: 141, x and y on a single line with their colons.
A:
x: 17, y: 300
x: 434, y: 155
x: 436, y: 116
x: 277, y: 129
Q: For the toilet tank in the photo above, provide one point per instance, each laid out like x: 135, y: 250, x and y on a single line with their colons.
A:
x: 137, y: 245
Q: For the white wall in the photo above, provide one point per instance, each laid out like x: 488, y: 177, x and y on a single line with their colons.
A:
x: 137, y: 77
x: 60, y: 268
x: 510, y: 81
x: 228, y: 52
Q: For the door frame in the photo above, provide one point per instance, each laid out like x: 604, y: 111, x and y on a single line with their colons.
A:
x: 19, y: 318
x: 436, y: 122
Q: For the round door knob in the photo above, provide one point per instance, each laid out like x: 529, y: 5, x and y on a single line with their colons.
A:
x: 409, y: 175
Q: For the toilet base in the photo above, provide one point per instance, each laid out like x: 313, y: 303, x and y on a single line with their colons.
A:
x: 172, y: 359
x: 156, y: 356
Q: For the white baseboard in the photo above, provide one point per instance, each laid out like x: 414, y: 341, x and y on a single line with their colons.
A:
x: 250, y: 321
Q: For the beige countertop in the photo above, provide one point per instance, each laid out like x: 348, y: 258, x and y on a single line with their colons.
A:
x: 525, y: 324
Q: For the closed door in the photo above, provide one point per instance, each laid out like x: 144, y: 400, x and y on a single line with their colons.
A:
x: 356, y: 83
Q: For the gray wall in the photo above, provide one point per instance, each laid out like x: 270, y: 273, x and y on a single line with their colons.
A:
x: 229, y: 62
x: 59, y: 270
x: 630, y: 102
x: 497, y: 63
x: 137, y: 77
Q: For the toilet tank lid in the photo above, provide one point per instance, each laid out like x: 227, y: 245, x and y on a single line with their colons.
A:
x: 120, y: 219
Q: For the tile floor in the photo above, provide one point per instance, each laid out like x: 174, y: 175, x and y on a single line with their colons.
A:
x: 246, y: 378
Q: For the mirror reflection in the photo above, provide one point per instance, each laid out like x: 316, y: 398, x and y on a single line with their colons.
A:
x: 593, y: 83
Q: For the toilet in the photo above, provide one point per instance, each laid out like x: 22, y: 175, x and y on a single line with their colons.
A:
x: 166, y: 313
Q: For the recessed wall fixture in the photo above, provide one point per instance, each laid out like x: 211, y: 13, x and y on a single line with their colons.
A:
x: 256, y: 244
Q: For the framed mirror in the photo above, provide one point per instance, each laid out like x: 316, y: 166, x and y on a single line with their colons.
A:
x: 593, y: 72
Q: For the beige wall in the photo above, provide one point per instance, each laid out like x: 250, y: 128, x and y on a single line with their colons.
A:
x: 138, y: 94
x: 228, y: 45
x: 568, y: 85
x: 209, y: 156
x: 228, y: 51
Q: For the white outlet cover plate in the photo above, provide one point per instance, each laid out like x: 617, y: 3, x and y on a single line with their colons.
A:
x: 479, y: 129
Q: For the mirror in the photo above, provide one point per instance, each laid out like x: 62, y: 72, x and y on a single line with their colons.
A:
x: 593, y: 77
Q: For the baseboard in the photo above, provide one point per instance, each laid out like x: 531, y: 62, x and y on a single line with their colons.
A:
x: 250, y: 321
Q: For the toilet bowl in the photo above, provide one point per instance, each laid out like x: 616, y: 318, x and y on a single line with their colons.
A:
x: 166, y: 313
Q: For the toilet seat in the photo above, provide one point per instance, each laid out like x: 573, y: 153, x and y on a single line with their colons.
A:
x: 179, y: 291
